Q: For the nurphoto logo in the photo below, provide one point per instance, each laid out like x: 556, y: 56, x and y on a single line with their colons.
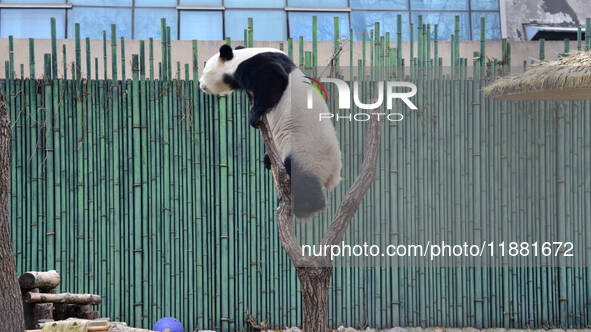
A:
x: 344, y: 99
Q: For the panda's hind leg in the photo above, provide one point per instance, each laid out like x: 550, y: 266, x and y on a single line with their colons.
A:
x: 306, y: 190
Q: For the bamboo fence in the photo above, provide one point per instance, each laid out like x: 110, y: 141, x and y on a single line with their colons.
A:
x: 154, y: 195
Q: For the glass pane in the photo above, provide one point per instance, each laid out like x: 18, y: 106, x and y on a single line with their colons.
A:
x: 32, y: 1
x: 300, y: 24
x: 102, y: 2
x: 255, y: 4
x: 147, y: 23
x: 268, y: 24
x: 201, y: 25
x: 94, y: 20
x: 445, y: 21
x: 379, y: 4
x: 388, y: 20
x: 485, y: 4
x: 200, y: 2
x: 492, y: 26
x: 316, y: 3
x: 439, y: 4
x: 31, y: 23
x: 156, y: 3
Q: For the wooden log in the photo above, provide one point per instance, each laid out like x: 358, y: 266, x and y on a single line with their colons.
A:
x: 65, y: 311
x: 42, y: 311
x: 42, y: 280
x: 62, y: 298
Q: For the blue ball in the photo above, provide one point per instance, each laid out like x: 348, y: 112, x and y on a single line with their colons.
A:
x: 169, y: 323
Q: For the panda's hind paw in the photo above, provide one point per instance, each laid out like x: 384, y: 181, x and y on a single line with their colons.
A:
x: 254, y: 120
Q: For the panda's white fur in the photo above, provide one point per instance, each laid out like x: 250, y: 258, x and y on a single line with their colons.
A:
x: 297, y: 131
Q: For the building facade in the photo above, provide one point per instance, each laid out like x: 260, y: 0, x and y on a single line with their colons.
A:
x: 219, y: 19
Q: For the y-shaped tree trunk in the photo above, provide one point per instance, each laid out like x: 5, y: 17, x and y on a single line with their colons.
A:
x: 314, y: 273
x: 11, y: 306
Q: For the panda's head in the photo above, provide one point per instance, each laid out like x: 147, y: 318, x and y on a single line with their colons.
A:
x: 214, y: 77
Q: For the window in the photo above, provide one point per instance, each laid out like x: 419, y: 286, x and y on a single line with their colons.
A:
x: 255, y: 4
x: 93, y: 20
x: 201, y: 25
x: 101, y: 2
x: 445, y: 21
x: 267, y: 24
x: 379, y: 4
x: 439, y: 4
x: 316, y: 3
x: 147, y: 23
x: 200, y: 2
x: 300, y: 24
x: 156, y: 3
x: 492, y: 25
x: 485, y: 4
x: 365, y: 20
x: 31, y: 23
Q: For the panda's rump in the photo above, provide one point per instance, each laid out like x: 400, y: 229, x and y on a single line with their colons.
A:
x: 299, y: 133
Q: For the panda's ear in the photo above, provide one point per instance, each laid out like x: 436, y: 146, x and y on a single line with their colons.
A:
x: 226, y: 53
x: 239, y: 47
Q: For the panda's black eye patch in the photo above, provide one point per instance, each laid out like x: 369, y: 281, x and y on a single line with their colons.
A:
x: 226, y: 52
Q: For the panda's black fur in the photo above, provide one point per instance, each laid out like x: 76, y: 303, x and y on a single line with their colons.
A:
x: 264, y: 77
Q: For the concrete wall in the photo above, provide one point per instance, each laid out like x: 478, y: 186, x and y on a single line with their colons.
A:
x: 182, y: 52
x: 547, y: 12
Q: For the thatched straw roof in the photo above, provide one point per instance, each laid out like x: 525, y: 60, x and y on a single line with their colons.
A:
x: 565, y: 79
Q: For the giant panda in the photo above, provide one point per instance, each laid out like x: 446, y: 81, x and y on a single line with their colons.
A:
x: 276, y: 87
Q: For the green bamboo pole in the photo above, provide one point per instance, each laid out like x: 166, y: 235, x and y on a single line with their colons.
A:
x: 151, y: 57
x: 168, y: 53
x: 123, y: 71
x: 482, y: 41
x: 65, y: 60
x: 588, y: 33
x: 250, y: 32
x: 142, y: 60
x: 436, y: 44
x: 337, y: 35
x: 53, y: 48
x: 88, y: 61
x: 579, y: 36
x: 32, y: 58
x: 114, y: 54
x: 411, y: 45
x: 315, y: 41
x: 46, y: 66
x: 457, y: 39
x: 301, y: 51
x: 78, y: 51
x: 290, y: 48
x: 420, y: 42
x: 542, y: 50
x: 105, y: 55
x: 195, y: 61
x: 163, y: 48
x: 11, y: 57
x: 398, y: 40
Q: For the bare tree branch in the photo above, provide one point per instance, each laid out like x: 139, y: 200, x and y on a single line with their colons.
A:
x: 282, y: 181
x: 346, y: 210
x: 354, y: 196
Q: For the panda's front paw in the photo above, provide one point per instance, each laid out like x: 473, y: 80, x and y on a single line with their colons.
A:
x: 254, y: 120
x: 267, y: 161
